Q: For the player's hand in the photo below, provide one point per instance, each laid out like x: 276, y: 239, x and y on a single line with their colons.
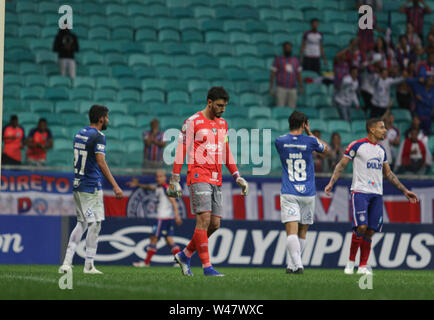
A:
x: 175, y: 190
x: 307, y: 128
x: 178, y: 220
x: 133, y: 183
x: 118, y: 193
x: 411, y: 196
x: 328, y: 189
x: 242, y: 183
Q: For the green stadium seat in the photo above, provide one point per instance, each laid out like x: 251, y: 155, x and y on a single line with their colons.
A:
x: 221, y: 50
x: 278, y: 26
x: 189, y: 24
x: 137, y: 109
x: 204, y: 12
x: 154, y: 84
x: 169, y: 123
x: 81, y: 93
x: 99, y: 71
x: 158, y: 11
x: 358, y: 126
x: 346, y: 138
x: 402, y: 115
x: 239, y: 37
x: 136, y: 9
x: 357, y: 114
x: 233, y: 111
x: 246, y: 87
x: 58, y: 132
x: 256, y: 26
x: 240, y: 123
x: 268, y: 124
x: 249, y: 99
x: 31, y: 93
x: 115, y: 9
x: 99, y: 33
x: 48, y: 33
x: 149, y: 96
x: 167, y: 23
x: 146, y: 35
x: 12, y: 79
x: 145, y: 73
x: 168, y: 35
x: 123, y: 120
x: 215, y: 37
x: 48, y: 7
x: 130, y: 83
x: 270, y: 14
x: 329, y: 113
x: 187, y: 110
x: 130, y: 133
x: 28, y: 31
x: 40, y: 106
x: 107, y: 83
x: 44, y: 57
x: 282, y: 113
x: 292, y: 15
x: 258, y: 112
x: 174, y: 97
x: 234, y: 25
x: 125, y: 34
x: 144, y: 121
x: 191, y: 36
x: 59, y: 81
x: 105, y: 95
x: 67, y: 107
x: 194, y: 85
x: 261, y: 37
x: 12, y: 91
x: 342, y: 28
x: 132, y: 47
x: 60, y: 144
x: 56, y: 94
x: 252, y: 63
x: 230, y: 62
x: 183, y: 61
x: 122, y: 72
x: 129, y: 96
x: 93, y: 59
x: 318, y: 124
x: 339, y: 125
x: 84, y: 82
x: 134, y: 148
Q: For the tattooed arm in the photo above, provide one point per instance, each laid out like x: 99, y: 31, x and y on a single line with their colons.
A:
x: 340, y: 167
x: 393, y: 179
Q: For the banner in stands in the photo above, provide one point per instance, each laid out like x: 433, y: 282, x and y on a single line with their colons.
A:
x: 30, y: 239
x: 263, y: 244
x: 49, y: 193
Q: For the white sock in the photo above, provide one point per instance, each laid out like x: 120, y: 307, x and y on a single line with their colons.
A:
x: 74, y: 239
x: 92, y: 243
x: 293, y: 246
x: 302, y: 244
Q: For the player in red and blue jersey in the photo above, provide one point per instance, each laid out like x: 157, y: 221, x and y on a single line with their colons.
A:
x: 89, y: 168
x: 297, y: 198
x: 369, y: 165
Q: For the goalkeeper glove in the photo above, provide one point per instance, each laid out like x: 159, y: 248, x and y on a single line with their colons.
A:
x: 175, y: 190
x: 243, y: 185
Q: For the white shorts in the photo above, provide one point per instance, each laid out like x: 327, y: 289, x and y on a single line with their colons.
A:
x: 294, y: 208
x: 89, y: 206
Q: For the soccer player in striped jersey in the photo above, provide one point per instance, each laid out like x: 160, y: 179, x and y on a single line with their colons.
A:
x: 204, y: 140
x: 369, y: 165
x: 167, y: 215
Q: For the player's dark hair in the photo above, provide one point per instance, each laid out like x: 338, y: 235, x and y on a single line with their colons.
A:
x: 314, y: 20
x: 372, y: 122
x: 296, y: 120
x: 14, y: 117
x: 285, y: 44
x: 42, y: 120
x: 217, y: 93
x: 96, y: 112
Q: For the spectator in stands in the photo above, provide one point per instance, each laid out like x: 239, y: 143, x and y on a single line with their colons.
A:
x: 287, y: 71
x: 154, y: 144
x: 415, y: 14
x: 383, y: 53
x: 429, y: 49
x: 404, y: 54
x: 38, y: 142
x: 415, y: 124
x: 413, y: 39
x: 340, y: 69
x: 424, y: 100
x: 377, y: 5
x: 392, y: 140
x: 412, y: 154
x: 381, y: 97
x: 336, y: 150
x: 346, y: 95
x: 312, y: 49
x: 425, y: 69
x: 404, y: 94
x: 366, y: 36
x: 353, y: 55
x: 13, y: 137
x: 318, y: 158
x: 66, y: 44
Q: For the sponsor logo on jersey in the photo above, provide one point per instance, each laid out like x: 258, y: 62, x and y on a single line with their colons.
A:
x: 82, y: 137
x: 374, y: 163
x: 214, y: 130
x: 100, y: 147
x: 40, y: 206
x: 298, y: 146
x: 300, y: 188
x: 199, y: 122
x: 352, y: 153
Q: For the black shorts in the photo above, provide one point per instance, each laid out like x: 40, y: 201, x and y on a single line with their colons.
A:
x: 312, y: 64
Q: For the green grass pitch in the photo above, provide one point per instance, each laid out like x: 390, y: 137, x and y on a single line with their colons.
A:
x: 167, y: 283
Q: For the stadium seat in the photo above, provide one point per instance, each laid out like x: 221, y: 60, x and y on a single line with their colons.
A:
x: 168, y: 35
x: 233, y: 25
x: 137, y: 109
x: 258, y: 112
x: 32, y: 93
x: 149, y: 96
x: 215, y: 37
x: 174, y: 97
x: 123, y: 120
x: 318, y: 124
x: 401, y: 114
x: 146, y: 35
x: 99, y: 33
x: 144, y: 121
x: 130, y: 83
x: 268, y: 124
x: 169, y: 122
x: 81, y: 93
x: 122, y: 72
x: 66, y: 107
x: 41, y: 106
x: 270, y: 14
x: 59, y: 81
x: 106, y: 83
x: 329, y: 113
x: 104, y: 95
x: 84, y: 82
x: 339, y: 125
x: 191, y: 36
x: 249, y: 99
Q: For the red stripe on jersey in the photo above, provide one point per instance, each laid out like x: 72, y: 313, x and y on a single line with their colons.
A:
x: 260, y: 209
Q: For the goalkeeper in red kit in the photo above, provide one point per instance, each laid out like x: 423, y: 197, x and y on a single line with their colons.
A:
x: 204, y: 140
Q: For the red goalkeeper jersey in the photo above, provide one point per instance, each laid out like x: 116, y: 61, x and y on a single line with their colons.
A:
x: 206, y: 145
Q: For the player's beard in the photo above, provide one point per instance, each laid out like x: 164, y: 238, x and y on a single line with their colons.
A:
x: 104, y: 126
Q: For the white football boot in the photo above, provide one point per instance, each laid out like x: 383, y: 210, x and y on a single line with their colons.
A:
x: 364, y: 270
x: 349, y: 268
x: 92, y: 270
x: 140, y: 264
